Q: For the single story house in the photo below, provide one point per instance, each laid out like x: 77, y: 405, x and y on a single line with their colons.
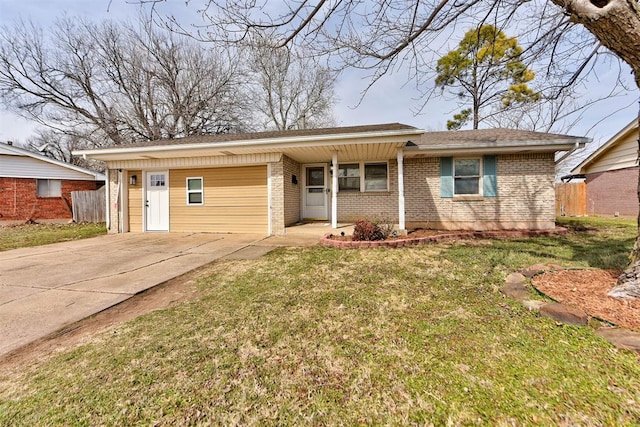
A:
x: 36, y: 187
x: 611, y: 175
x: 262, y: 182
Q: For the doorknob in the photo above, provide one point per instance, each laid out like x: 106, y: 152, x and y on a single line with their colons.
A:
x: 327, y: 190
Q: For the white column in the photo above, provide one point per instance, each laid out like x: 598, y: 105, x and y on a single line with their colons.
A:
x: 334, y: 192
x: 401, y: 220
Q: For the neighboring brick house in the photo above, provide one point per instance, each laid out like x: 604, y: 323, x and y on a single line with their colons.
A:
x: 37, y: 188
x: 611, y: 175
x: 263, y: 182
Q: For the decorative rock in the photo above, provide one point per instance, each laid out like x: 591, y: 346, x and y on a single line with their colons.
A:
x: 540, y: 268
x: 621, y: 338
x: 564, y: 314
x: 517, y: 291
x: 515, y: 279
x: 533, y: 305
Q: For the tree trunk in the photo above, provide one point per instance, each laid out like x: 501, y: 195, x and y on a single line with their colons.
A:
x: 629, y: 281
x: 616, y: 24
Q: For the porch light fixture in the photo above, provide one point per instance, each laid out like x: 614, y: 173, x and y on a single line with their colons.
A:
x: 331, y: 167
x: 133, y: 179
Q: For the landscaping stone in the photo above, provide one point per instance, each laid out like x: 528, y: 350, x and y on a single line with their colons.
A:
x: 540, y: 268
x: 533, y: 305
x: 564, y: 314
x: 621, y: 338
x: 515, y: 279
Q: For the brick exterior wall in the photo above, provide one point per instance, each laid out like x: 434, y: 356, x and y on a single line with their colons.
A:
x: 525, y: 200
x: 613, y: 192
x: 354, y: 205
x: 292, y: 192
x: 19, y: 200
x: 114, y: 217
x: 277, y: 198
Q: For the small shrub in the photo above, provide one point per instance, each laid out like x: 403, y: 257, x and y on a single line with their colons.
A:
x: 386, y: 225
x: 366, y: 230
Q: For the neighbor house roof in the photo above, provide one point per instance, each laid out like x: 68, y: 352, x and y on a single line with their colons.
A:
x: 20, y: 163
x: 494, y: 140
x: 626, y: 156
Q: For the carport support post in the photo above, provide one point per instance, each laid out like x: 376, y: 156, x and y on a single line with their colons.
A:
x: 334, y: 191
x: 401, y: 219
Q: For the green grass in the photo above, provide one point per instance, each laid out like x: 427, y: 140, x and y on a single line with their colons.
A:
x: 19, y: 236
x: 321, y: 336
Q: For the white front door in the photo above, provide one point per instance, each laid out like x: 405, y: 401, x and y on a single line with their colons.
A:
x: 157, y: 201
x: 316, y: 192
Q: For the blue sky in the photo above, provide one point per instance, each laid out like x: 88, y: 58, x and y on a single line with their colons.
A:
x: 389, y: 100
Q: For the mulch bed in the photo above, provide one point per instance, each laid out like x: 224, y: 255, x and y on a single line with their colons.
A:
x: 587, y: 289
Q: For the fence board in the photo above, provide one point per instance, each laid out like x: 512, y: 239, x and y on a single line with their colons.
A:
x: 89, y: 206
x: 571, y: 199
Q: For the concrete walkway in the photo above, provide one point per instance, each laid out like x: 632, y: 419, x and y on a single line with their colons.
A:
x: 45, y: 288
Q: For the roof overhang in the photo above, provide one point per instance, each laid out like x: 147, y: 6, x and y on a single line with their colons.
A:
x: 302, y: 148
x: 511, y: 147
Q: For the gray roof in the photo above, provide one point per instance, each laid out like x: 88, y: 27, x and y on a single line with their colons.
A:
x: 248, y: 136
x: 485, y: 137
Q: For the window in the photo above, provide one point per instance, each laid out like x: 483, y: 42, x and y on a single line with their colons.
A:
x: 373, y: 179
x: 349, y: 177
x: 195, y: 191
x: 49, y: 188
x: 157, y: 180
x: 469, y: 177
x: 466, y: 176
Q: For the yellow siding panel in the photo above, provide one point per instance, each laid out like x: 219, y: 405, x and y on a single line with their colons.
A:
x: 235, y: 200
x: 135, y: 202
x: 622, y: 155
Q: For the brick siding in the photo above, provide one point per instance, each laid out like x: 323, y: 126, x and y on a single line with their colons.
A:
x: 277, y: 198
x: 613, y: 192
x: 292, y: 192
x: 374, y: 204
x: 19, y: 200
x: 525, y: 196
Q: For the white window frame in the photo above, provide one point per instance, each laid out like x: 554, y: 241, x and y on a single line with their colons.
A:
x: 479, y: 176
x: 201, y: 190
x: 58, y: 192
x: 361, y: 174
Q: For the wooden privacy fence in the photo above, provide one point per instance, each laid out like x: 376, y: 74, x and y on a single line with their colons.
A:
x: 89, y: 206
x: 571, y: 199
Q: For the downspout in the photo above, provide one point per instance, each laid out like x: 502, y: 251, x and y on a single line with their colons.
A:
x: 334, y: 192
x: 568, y: 153
x: 401, y: 215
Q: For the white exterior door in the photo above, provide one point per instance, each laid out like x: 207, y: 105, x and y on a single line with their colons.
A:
x: 157, y: 201
x: 316, y: 192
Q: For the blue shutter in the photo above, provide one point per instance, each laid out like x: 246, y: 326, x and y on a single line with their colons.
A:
x: 489, y: 182
x: 446, y: 176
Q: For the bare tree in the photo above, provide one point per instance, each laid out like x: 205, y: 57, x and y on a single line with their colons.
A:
x: 111, y: 83
x: 563, y: 35
x: 290, y: 89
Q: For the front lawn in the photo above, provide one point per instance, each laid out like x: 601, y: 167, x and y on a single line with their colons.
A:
x: 19, y: 236
x: 322, y: 336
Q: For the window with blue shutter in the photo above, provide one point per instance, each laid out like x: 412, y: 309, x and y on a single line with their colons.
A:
x: 446, y: 176
x: 489, y: 181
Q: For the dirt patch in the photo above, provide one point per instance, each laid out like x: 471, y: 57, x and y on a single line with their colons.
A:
x: 587, y: 289
x: 180, y: 289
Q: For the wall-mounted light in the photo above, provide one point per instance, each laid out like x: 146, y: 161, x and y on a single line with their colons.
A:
x: 133, y: 179
x: 331, y: 168
x: 294, y: 180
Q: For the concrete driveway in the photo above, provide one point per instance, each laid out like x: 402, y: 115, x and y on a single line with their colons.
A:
x: 45, y: 288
